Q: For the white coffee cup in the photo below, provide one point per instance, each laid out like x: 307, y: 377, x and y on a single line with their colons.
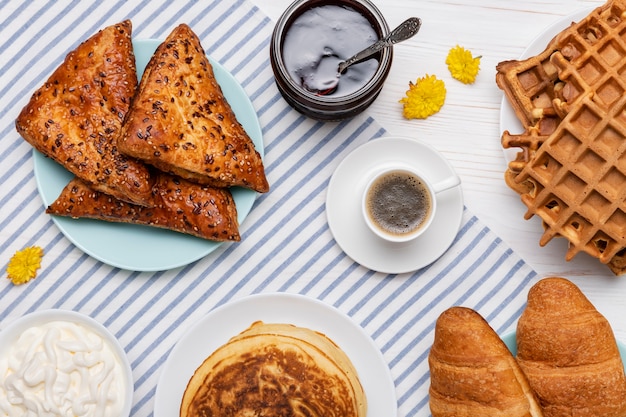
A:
x: 399, y: 203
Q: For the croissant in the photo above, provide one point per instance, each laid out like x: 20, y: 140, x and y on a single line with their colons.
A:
x: 569, y: 354
x: 472, y: 372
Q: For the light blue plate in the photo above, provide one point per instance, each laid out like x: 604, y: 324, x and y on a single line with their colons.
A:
x: 510, y: 342
x: 143, y: 248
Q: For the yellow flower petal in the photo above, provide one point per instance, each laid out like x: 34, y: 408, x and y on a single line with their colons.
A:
x: 24, y: 264
x: 462, y: 65
x: 424, y: 98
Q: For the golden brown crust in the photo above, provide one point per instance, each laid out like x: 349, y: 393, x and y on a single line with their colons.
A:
x: 275, y: 369
x: 565, y: 171
x: 181, y: 123
x: 473, y: 373
x: 617, y: 264
x: 569, y: 354
x: 177, y: 204
x: 76, y: 116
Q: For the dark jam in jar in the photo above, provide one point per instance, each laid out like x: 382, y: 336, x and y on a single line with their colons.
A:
x: 321, y: 34
x: 319, y: 39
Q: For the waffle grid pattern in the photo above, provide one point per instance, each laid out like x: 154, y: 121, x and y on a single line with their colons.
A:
x: 579, y: 176
x: 591, y: 60
x: 571, y: 170
x: 530, y: 84
x: 535, y: 89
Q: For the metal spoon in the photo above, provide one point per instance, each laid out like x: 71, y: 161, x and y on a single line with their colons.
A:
x: 404, y: 31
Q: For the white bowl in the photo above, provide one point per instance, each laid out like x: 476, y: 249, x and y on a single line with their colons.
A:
x: 11, y: 333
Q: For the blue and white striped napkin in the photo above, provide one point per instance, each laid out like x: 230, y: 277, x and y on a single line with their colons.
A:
x: 286, y: 243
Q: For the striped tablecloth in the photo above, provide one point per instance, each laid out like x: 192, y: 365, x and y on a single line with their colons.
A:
x: 286, y: 243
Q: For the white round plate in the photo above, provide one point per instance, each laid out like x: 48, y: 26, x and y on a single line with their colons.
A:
x: 508, y: 119
x: 510, y: 342
x: 144, y: 248
x: 343, y: 206
x: 226, y: 321
x: 14, y: 330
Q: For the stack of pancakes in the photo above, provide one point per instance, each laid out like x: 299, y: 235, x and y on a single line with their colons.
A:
x: 164, y: 152
x: 571, y: 170
x: 275, y: 369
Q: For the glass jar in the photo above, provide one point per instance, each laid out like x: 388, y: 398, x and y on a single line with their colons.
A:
x: 339, y: 104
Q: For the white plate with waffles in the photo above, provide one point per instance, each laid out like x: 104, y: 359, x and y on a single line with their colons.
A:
x: 343, y: 206
x: 508, y: 119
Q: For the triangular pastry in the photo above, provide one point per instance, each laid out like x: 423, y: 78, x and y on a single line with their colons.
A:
x: 181, y: 123
x: 472, y: 372
x: 568, y: 351
x: 276, y: 369
x: 177, y: 204
x: 76, y: 116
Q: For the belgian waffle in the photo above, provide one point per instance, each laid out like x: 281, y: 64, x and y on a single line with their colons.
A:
x: 578, y: 180
x: 590, y: 60
x: 535, y: 89
x: 528, y: 143
x: 571, y: 170
x: 530, y: 85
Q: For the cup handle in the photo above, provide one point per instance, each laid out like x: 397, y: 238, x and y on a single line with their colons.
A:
x: 446, y: 184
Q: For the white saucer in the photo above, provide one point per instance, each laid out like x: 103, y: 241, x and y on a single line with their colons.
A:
x: 343, y: 206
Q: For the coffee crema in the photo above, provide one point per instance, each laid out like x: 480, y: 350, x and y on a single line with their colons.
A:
x: 398, y: 203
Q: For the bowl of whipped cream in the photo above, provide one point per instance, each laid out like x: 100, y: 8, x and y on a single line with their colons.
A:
x: 63, y: 363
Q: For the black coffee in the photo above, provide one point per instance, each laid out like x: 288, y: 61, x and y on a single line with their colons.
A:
x: 398, y: 203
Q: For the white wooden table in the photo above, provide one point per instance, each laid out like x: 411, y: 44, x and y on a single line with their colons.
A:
x: 467, y: 129
x: 149, y: 311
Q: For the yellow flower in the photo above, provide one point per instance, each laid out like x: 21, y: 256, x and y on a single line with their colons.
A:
x: 424, y: 98
x: 24, y: 264
x: 462, y: 65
